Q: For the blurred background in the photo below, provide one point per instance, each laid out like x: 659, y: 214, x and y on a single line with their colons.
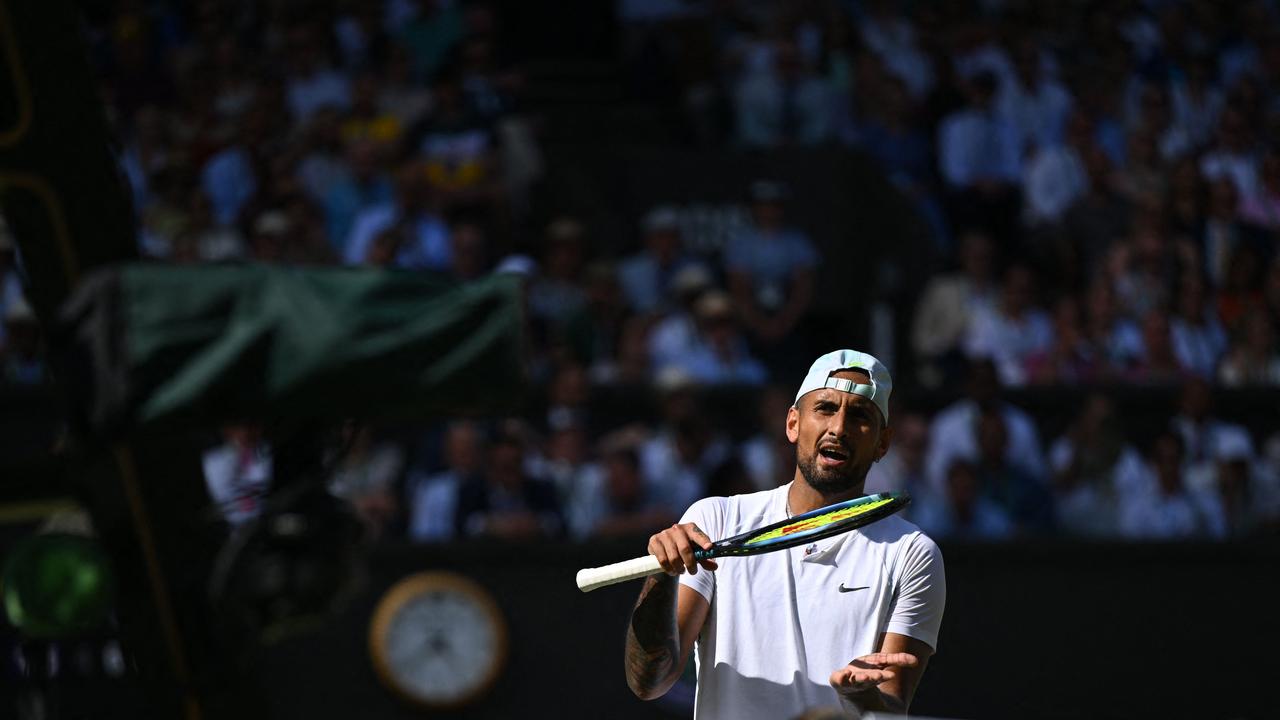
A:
x: 1055, y: 221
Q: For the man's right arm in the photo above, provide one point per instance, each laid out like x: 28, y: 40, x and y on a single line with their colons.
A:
x: 668, y: 616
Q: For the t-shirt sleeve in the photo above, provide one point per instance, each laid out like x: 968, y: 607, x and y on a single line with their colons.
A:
x: 921, y: 593
x: 708, y: 515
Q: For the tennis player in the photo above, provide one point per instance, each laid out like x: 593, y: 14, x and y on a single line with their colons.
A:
x: 848, y: 622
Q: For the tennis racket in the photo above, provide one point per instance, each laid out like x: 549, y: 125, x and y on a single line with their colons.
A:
x: 813, y: 525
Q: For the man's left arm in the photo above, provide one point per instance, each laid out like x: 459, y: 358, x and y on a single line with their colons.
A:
x: 884, y: 680
x: 887, y: 679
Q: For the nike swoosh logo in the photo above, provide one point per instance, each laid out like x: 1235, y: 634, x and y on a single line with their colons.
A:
x: 845, y: 589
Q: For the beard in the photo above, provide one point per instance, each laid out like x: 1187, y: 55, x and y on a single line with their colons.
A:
x: 831, y: 482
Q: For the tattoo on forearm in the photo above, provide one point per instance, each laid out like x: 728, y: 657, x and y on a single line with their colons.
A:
x: 653, y: 643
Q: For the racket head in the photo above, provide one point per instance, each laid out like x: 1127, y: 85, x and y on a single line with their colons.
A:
x: 814, y: 525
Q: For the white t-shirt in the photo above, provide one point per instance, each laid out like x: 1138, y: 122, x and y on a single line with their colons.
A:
x: 780, y: 623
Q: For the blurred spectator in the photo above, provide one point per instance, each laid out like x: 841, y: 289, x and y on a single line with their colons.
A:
x: 468, y: 249
x: 1240, y: 292
x: 458, y: 147
x: 675, y: 336
x: 1254, y: 358
x: 1036, y: 104
x: 1054, y: 177
x: 1198, y: 338
x: 1222, y: 234
x: 368, y: 121
x: 1197, y: 101
x: 1154, y: 119
x: 771, y: 271
x: 963, y: 512
x: 1246, y: 487
x: 1262, y: 208
x: 10, y: 285
x: 429, y: 34
x: 362, y: 186
x: 953, y: 434
x: 947, y: 308
x: 321, y: 164
x: 568, y: 464
x: 1069, y: 360
x: 594, y: 334
x: 902, y: 469
x: 646, y: 277
x: 1093, y: 470
x: 311, y: 82
x: 557, y: 294
x: 504, y: 501
x: 1233, y: 156
x: 720, y: 356
x: 22, y: 350
x: 1164, y: 508
x: 782, y: 103
x: 411, y: 232
x: 683, y: 452
x: 768, y: 454
x: 1012, y: 330
x: 1159, y: 364
x: 433, y: 500
x: 1197, y: 428
x: 980, y: 158
x: 614, y: 502
x: 892, y: 37
x: 1116, y: 340
x: 568, y: 394
x: 367, y: 475
x: 238, y: 473
x: 1022, y: 497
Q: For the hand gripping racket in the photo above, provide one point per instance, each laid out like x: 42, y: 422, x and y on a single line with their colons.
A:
x: 813, y: 525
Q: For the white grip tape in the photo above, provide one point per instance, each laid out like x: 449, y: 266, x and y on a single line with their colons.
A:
x: 591, y: 578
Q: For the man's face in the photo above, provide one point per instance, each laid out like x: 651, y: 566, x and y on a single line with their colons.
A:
x: 837, y: 436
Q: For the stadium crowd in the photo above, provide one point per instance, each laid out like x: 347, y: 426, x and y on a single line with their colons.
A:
x: 1099, y: 179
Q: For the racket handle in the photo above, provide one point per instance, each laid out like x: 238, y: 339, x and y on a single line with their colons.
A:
x: 591, y: 578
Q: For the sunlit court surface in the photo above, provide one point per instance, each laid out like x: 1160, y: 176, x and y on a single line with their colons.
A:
x: 714, y: 359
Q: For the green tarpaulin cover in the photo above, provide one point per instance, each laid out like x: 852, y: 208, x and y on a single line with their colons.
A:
x: 145, y: 344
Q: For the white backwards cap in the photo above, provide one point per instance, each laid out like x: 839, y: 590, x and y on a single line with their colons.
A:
x: 877, y: 392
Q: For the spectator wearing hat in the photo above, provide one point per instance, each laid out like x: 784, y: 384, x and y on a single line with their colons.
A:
x: 674, y: 336
x: 646, y: 277
x: 678, y: 459
x: 770, y: 266
x: 720, y: 356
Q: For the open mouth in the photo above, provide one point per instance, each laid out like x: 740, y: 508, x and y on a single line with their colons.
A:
x: 833, y: 455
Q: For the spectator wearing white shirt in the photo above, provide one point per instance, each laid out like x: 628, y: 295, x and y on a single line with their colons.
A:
x: 1055, y: 176
x: 1165, y: 508
x: 646, y: 276
x: 980, y: 160
x: 1233, y: 156
x: 721, y: 355
x: 1198, y: 429
x: 417, y: 237
x: 1035, y: 103
x: 783, y: 104
x: 1013, y: 330
x: 953, y: 431
x: 947, y: 308
x: 893, y: 39
x: 310, y: 83
x: 1094, y: 469
x: 433, y: 499
x: 1197, y: 101
x: 1198, y: 338
x: 963, y: 512
x: 1116, y: 341
x: 1247, y: 486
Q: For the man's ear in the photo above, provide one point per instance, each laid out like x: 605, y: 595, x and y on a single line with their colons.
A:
x: 886, y: 437
x: 793, y: 424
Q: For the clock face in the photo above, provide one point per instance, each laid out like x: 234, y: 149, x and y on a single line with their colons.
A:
x: 438, y: 639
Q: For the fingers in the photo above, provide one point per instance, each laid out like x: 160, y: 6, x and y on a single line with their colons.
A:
x: 880, y: 660
x: 851, y: 679
x: 674, y: 548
